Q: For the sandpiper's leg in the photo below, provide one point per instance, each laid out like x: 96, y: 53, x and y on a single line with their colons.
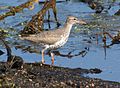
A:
x: 52, y: 55
x: 43, y: 61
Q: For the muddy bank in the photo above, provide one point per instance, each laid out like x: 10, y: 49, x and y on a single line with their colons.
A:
x: 35, y: 75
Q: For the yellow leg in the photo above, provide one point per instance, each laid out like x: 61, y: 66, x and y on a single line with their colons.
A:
x: 43, y: 61
x: 52, y: 55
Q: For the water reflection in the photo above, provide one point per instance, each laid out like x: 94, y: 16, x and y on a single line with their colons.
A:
x: 57, y: 53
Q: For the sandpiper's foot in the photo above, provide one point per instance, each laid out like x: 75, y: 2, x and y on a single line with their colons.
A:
x: 43, y: 61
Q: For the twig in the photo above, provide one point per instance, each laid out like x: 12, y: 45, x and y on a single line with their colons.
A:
x: 19, y: 8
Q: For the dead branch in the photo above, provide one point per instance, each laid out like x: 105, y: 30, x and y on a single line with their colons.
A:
x: 36, y: 23
x: 19, y: 8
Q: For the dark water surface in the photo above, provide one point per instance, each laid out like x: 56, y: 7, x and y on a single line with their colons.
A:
x: 81, y: 38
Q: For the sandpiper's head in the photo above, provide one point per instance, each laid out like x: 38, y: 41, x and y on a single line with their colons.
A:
x: 74, y: 20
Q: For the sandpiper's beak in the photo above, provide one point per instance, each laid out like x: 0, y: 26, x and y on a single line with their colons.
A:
x: 82, y: 22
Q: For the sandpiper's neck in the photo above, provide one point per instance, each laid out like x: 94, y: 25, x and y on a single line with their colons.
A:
x: 67, y: 27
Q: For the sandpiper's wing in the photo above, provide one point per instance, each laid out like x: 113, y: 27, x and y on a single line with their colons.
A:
x: 46, y: 37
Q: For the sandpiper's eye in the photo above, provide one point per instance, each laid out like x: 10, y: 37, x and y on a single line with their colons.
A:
x: 74, y: 18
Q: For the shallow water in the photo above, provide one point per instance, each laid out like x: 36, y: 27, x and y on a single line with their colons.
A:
x: 95, y: 56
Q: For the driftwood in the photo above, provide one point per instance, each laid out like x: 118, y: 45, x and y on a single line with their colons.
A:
x: 13, y: 61
x: 14, y: 10
x: 36, y: 23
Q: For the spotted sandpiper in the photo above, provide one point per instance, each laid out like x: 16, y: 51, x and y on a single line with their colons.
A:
x: 54, y: 39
